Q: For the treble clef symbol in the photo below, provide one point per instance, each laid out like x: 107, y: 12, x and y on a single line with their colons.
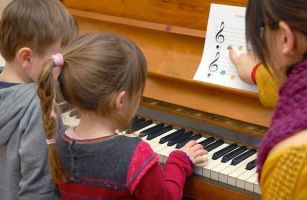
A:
x: 219, y: 37
x: 213, y: 67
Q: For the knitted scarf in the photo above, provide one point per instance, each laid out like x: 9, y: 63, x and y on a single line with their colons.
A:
x: 290, y: 116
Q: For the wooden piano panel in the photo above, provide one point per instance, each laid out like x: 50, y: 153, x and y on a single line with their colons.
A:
x: 205, y: 189
x: 183, y: 13
x: 172, y: 60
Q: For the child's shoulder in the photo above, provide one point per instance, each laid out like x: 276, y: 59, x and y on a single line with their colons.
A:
x: 23, y: 91
x: 141, y: 161
x: 19, y: 98
x: 139, y: 150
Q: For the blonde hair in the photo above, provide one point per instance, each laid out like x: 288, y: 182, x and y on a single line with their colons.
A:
x: 36, y: 24
x: 96, y: 68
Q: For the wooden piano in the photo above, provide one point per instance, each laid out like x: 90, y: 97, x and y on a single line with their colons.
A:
x: 171, y: 34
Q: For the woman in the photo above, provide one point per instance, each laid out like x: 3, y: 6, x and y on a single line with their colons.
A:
x: 277, y: 32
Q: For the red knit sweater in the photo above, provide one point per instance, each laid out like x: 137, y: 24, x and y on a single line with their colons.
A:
x: 146, y: 179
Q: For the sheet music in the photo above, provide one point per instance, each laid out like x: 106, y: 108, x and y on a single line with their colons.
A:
x: 226, y: 26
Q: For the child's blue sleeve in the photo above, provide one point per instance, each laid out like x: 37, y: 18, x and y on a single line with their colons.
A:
x: 35, y: 182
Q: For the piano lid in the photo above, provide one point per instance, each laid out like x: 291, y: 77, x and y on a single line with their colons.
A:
x: 171, y: 35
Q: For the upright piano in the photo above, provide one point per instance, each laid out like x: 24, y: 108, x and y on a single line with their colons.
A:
x: 228, y: 122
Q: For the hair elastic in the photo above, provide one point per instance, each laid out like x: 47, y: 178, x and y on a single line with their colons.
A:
x: 50, y: 141
x: 58, y: 59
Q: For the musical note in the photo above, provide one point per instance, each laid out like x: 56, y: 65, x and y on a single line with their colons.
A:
x: 219, y: 37
x: 213, y: 66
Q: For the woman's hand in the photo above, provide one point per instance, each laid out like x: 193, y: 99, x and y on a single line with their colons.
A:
x: 245, y: 63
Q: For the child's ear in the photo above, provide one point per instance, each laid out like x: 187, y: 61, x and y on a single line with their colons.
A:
x: 120, y: 100
x: 287, y: 39
x: 24, y: 56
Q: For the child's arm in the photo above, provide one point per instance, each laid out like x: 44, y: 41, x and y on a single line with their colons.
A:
x: 251, y: 72
x: 168, y: 183
x: 35, y: 180
x: 157, y: 183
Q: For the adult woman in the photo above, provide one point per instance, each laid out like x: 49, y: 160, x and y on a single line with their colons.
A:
x: 277, y: 32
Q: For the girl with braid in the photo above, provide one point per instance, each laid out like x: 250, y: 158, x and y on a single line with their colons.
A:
x: 103, y: 75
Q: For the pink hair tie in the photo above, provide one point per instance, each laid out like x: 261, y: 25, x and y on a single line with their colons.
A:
x: 50, y: 141
x: 58, y: 60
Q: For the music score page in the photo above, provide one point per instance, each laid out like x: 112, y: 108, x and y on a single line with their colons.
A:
x: 226, y: 26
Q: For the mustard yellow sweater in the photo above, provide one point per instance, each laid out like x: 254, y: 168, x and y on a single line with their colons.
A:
x: 267, y: 87
x: 284, y: 174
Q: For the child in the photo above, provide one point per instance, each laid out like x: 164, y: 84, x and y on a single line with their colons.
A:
x: 103, y: 75
x: 253, y: 72
x: 30, y: 32
x: 277, y: 32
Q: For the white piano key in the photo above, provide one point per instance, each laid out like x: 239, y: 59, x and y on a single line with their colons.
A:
x: 165, y: 152
x: 198, y: 170
x: 223, y: 174
x: 250, y: 182
x: 211, y: 163
x: 240, y: 180
x: 200, y: 139
x: 143, y: 129
x: 257, y: 188
x: 214, y: 173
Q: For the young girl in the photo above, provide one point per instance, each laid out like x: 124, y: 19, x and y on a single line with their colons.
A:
x: 103, y: 75
x: 277, y: 32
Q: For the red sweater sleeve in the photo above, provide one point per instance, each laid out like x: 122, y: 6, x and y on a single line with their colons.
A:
x: 168, y: 183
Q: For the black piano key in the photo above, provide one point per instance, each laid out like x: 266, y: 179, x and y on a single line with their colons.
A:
x: 180, y: 138
x: 141, y: 125
x: 151, y: 130
x: 134, y: 118
x: 224, y: 151
x: 251, y: 165
x: 243, y: 156
x: 193, y: 137
x: 137, y: 120
x: 233, y: 154
x: 214, y: 145
x: 171, y: 136
x: 207, y: 141
x: 158, y: 133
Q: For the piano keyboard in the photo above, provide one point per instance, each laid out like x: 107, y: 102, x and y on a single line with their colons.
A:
x: 231, y: 164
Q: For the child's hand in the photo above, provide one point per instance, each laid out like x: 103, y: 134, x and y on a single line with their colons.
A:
x: 196, y: 153
x: 244, y: 63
